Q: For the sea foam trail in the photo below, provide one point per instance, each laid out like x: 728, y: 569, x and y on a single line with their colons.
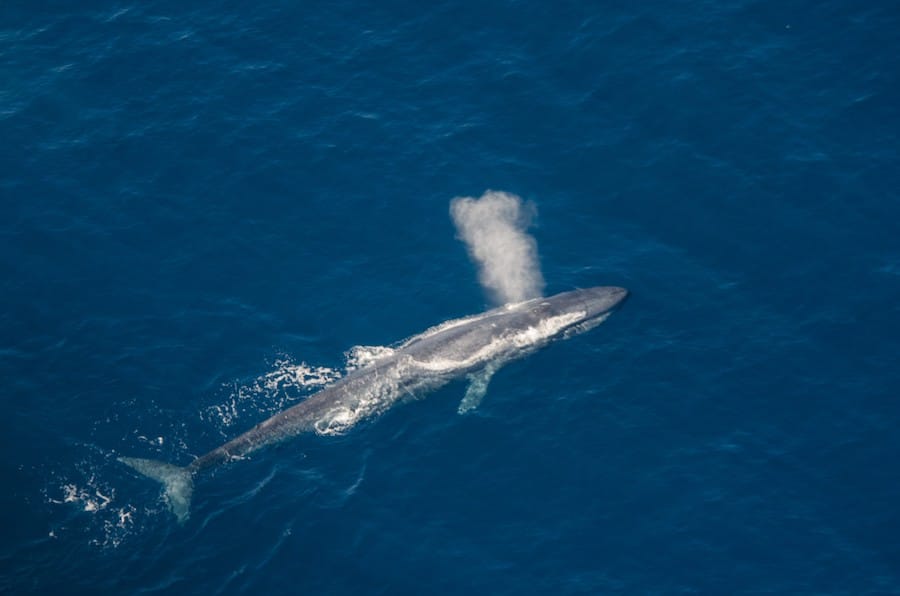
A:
x: 493, y: 228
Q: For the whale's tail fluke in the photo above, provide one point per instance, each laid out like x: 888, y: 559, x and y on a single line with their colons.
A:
x: 178, y: 482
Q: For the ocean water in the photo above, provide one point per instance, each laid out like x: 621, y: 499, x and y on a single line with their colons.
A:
x: 204, y: 206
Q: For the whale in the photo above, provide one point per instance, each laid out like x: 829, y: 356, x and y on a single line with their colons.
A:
x: 472, y: 347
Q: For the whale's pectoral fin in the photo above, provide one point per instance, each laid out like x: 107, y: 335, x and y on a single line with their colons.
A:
x: 177, y: 482
x: 478, y: 384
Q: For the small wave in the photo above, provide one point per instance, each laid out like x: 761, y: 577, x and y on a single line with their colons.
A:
x: 363, y: 356
x: 90, y: 498
x: 271, y: 392
x: 108, y: 523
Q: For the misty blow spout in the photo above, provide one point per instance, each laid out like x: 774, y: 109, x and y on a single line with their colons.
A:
x: 494, y: 230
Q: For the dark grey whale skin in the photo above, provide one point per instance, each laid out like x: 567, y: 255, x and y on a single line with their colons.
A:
x: 416, y: 366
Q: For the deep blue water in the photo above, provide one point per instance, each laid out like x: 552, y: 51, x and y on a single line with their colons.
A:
x: 193, y: 193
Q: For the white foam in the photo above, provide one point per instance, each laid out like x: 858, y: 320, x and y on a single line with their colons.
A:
x: 90, y: 499
x: 546, y: 328
x: 117, y: 529
x: 107, y: 525
x: 156, y: 442
x: 287, y: 374
x: 586, y: 326
x: 271, y: 392
x: 500, y: 347
x: 338, y: 420
x: 363, y: 356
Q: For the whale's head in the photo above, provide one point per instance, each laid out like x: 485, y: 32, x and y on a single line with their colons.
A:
x: 597, y: 302
x: 576, y: 311
x: 512, y: 330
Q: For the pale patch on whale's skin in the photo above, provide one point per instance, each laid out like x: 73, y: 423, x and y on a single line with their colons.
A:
x: 473, y: 347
